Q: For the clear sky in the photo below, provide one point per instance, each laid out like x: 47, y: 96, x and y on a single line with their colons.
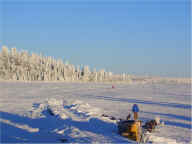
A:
x: 133, y: 36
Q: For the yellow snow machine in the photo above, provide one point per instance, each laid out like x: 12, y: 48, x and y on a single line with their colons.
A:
x: 131, y: 129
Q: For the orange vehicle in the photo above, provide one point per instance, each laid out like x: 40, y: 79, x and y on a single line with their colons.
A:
x: 131, y: 128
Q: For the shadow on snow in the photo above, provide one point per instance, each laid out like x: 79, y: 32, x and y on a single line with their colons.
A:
x: 170, y: 115
x: 164, y: 104
x: 49, y: 123
x: 171, y: 122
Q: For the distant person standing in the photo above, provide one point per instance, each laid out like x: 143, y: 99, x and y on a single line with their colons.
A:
x: 135, y: 110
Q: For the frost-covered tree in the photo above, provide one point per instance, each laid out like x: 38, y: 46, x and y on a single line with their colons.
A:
x: 23, y: 66
x: 4, y: 62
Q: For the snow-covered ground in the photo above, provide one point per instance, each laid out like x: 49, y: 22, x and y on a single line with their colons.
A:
x: 72, y: 112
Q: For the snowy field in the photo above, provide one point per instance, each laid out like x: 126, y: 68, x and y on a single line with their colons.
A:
x: 72, y: 112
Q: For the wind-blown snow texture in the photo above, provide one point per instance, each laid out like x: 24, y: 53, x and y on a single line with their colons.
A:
x: 72, y: 112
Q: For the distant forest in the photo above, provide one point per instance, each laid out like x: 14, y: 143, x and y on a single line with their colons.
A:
x: 23, y: 66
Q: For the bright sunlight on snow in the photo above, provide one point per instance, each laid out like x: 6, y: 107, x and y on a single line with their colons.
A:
x: 73, y: 112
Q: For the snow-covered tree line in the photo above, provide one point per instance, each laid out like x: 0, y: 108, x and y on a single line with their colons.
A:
x: 16, y: 65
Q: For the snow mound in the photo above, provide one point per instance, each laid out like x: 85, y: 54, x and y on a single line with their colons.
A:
x: 79, y: 122
x: 82, y: 108
x: 71, y: 109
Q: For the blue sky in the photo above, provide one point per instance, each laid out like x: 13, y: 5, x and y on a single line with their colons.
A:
x: 137, y: 37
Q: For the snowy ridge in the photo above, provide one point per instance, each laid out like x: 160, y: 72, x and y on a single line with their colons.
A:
x: 64, y: 109
x: 84, y: 123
